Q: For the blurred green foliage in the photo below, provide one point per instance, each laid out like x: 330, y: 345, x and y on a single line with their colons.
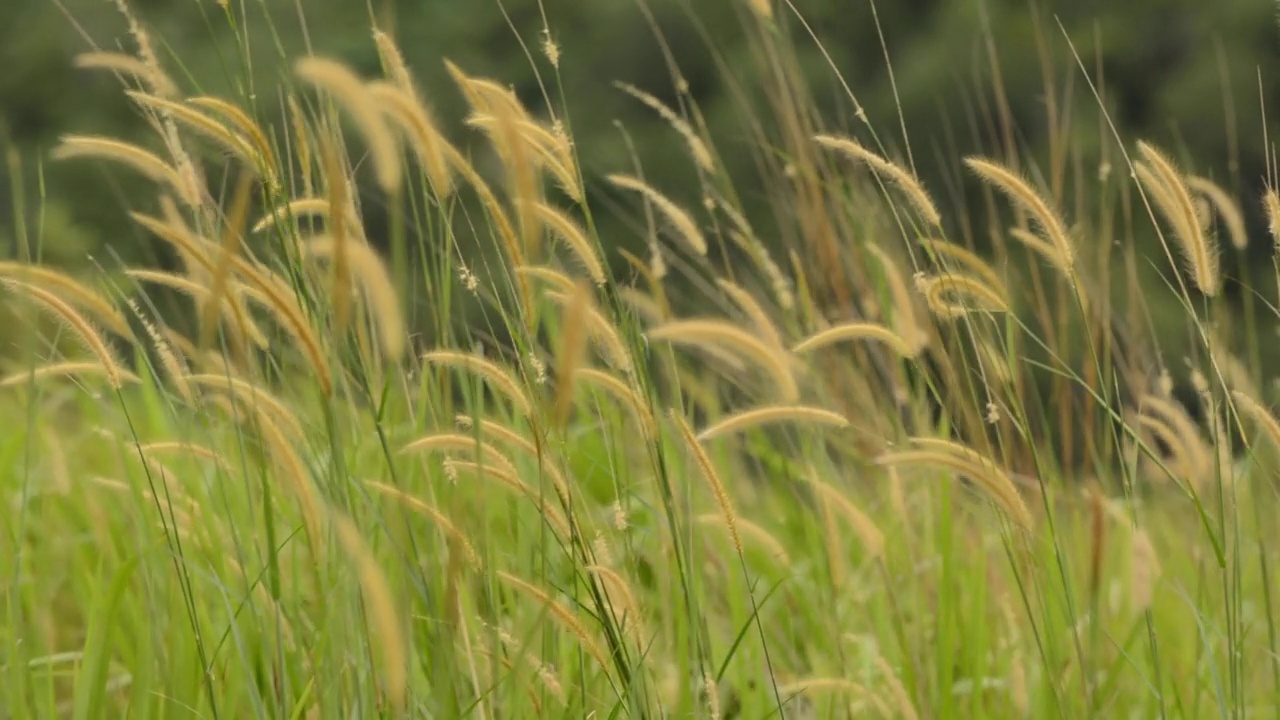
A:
x: 1185, y: 74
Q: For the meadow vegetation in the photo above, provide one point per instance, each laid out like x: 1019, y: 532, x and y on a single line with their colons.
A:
x: 837, y: 466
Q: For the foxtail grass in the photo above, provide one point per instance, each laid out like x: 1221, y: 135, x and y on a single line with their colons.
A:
x: 413, y: 425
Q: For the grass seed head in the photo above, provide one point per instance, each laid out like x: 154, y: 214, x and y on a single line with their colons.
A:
x: 1162, y: 179
x: 946, y: 296
x: 1226, y: 208
x: 904, y: 180
x: 144, y: 162
x: 564, y: 615
x: 1021, y: 193
x: 377, y: 288
x: 683, y: 223
x: 726, y: 336
x: 856, y: 331
x: 151, y: 76
x: 350, y: 92
x: 386, y: 628
x: 498, y: 377
x: 77, y: 323
x: 697, y: 148
x: 712, y: 477
x: 574, y: 238
x: 755, y: 417
x: 983, y: 471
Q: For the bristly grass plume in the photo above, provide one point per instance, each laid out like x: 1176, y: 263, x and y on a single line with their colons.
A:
x: 404, y: 423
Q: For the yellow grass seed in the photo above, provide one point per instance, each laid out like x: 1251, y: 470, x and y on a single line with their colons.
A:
x: 906, y: 325
x: 685, y: 227
x: 423, y: 508
x: 773, y: 414
x: 1166, y: 184
x: 968, y: 260
x: 944, y: 294
x: 160, y: 83
x: 574, y: 238
x: 349, y: 91
x: 856, y: 331
x: 722, y: 335
x: 377, y: 287
x: 868, y: 533
x: 1021, y: 193
x: 419, y: 128
x: 907, y: 183
x: 72, y: 368
x: 1226, y: 208
x: 386, y: 627
x: 144, y: 162
x: 712, y: 478
x: 697, y: 148
x: 498, y: 377
x: 983, y: 471
x: 564, y: 615
x: 80, y: 326
x: 619, y: 389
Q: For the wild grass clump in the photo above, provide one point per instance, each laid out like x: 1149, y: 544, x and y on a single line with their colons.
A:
x: 464, y: 467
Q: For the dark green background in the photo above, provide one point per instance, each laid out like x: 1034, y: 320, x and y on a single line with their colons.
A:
x: 1169, y: 65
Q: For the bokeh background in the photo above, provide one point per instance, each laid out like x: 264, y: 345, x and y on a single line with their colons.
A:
x: 1189, y: 75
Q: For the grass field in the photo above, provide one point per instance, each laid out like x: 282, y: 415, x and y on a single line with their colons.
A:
x: 839, y: 466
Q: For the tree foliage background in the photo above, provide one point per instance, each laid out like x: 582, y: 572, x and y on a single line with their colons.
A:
x: 1185, y: 74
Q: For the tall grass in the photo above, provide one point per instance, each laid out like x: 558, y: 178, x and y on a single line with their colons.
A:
x: 759, y: 472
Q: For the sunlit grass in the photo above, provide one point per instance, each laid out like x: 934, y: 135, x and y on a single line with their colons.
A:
x: 469, y: 468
